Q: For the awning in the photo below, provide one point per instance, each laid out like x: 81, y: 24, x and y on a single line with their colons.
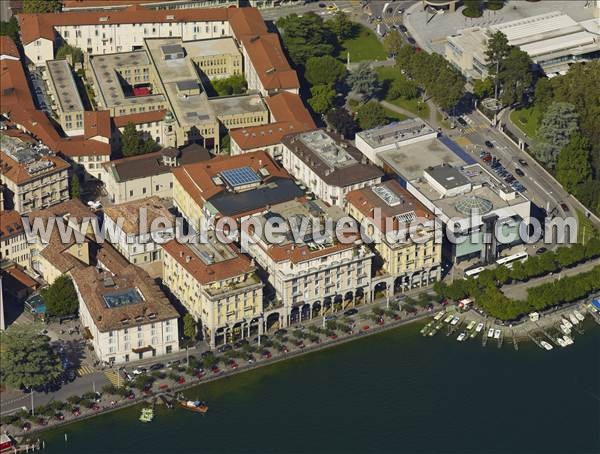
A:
x: 596, y: 303
x: 147, y: 348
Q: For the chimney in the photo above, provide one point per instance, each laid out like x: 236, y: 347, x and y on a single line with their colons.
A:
x: 187, y: 259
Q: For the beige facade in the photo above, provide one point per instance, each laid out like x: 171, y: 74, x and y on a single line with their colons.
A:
x: 217, y: 286
x: 13, y: 241
x: 66, y: 101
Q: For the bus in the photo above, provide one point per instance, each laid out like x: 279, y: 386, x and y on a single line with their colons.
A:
x: 508, y: 261
x: 474, y: 272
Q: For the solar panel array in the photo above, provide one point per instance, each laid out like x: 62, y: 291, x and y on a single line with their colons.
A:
x: 240, y: 177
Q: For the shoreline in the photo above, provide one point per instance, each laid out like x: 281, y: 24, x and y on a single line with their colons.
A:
x: 374, y: 330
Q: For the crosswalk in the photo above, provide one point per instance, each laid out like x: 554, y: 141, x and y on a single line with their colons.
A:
x: 113, y: 377
x: 85, y: 370
x: 391, y: 20
x: 463, y: 141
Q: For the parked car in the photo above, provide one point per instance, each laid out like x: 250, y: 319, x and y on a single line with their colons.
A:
x: 488, y: 144
x: 519, y: 172
x: 350, y: 312
x: 541, y: 250
x: 564, y: 206
x: 173, y: 363
x: 224, y: 348
x: 281, y: 332
x: 411, y: 41
x: 330, y: 317
x: 461, y: 121
x: 139, y: 371
x: 157, y: 366
x: 523, y: 162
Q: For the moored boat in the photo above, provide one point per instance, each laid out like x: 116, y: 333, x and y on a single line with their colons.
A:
x: 479, y: 327
x: 546, y: 345
x: 568, y: 340
x: 491, y: 332
x: 448, y: 319
x: 194, y: 405
x: 573, y: 319
x: 147, y: 414
x: 461, y: 337
x: 438, y: 316
x: 497, y: 334
x: 471, y: 325
x: 561, y: 342
x: 567, y: 323
x: 455, y: 320
x: 579, y: 315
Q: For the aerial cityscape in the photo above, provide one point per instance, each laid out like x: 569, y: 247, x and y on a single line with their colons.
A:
x: 294, y: 226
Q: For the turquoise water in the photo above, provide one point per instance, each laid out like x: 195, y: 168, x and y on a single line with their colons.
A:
x: 394, y: 392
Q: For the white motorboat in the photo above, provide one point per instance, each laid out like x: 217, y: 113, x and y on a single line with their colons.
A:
x: 471, y: 325
x: 561, y: 342
x: 438, y: 316
x: 579, y: 316
x: 448, y: 319
x: 461, y: 337
x: 479, y: 327
x: 567, y: 323
x: 568, y: 340
x: 565, y: 329
x: 491, y: 332
x: 573, y: 319
x: 455, y: 320
x: 497, y: 334
x: 546, y: 345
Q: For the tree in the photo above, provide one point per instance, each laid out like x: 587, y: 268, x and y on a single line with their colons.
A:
x: 573, y: 166
x: 402, y: 87
x: 232, y: 85
x: 324, y: 70
x: 343, y: 123
x: 10, y: 28
x: 483, y: 88
x: 189, y: 326
x: 66, y: 49
x: 322, y: 97
x: 364, y: 80
x: 306, y: 36
x: 516, y: 76
x: 41, y: 6
x: 559, y: 123
x: 27, y: 358
x: 393, y: 42
x: 342, y: 27
x: 75, y: 187
x: 472, y: 8
x: 370, y: 115
x: 134, y: 142
x: 61, y: 298
x: 497, y: 51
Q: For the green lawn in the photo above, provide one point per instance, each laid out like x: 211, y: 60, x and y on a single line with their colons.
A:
x: 387, y: 74
x: 585, y: 227
x: 365, y: 46
x: 528, y: 120
x: 394, y: 116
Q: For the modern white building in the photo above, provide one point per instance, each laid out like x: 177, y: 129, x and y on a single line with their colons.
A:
x: 552, y: 40
x: 327, y: 165
x: 389, y: 137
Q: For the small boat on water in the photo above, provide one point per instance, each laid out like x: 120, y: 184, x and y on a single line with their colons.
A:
x: 455, y: 320
x: 194, y: 405
x: 448, y: 319
x: 497, y: 334
x: 567, y: 323
x: 479, y: 327
x: 491, y: 332
x: 561, y: 342
x: 565, y: 329
x: 568, y: 340
x: 461, y: 337
x: 579, y: 315
x: 471, y: 325
x: 147, y: 414
x: 573, y: 319
x: 546, y: 345
x: 438, y: 316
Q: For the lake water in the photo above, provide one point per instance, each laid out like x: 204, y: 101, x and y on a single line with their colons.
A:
x: 389, y: 393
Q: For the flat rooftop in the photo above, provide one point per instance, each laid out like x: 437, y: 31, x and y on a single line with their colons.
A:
x: 106, y: 68
x: 485, y: 188
x: 64, y: 84
x: 409, y: 161
x: 210, y: 47
x: 398, y: 131
x: 448, y: 177
x: 233, y: 105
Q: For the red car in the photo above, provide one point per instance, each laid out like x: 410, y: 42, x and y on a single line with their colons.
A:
x: 95, y: 407
x: 300, y: 344
x: 215, y: 370
x: 233, y: 364
x: 200, y: 375
x: 333, y: 336
x: 131, y: 396
x: 397, y: 317
x: 181, y: 380
x: 266, y: 354
x: 381, y: 322
x: 365, y: 328
x: 76, y: 412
